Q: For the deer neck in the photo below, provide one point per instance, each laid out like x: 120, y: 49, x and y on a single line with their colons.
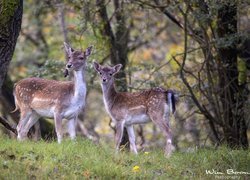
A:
x: 79, y: 84
x: 109, y: 94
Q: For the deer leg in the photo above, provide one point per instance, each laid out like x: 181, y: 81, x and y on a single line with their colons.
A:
x: 32, y: 120
x: 162, y: 123
x: 72, y: 128
x: 169, y: 146
x: 25, y: 115
x: 37, y: 135
x: 118, y: 134
x: 131, y: 135
x: 58, y: 125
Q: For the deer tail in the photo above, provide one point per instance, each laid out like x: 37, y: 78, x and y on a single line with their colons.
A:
x: 16, y: 108
x: 16, y: 105
x: 171, y: 100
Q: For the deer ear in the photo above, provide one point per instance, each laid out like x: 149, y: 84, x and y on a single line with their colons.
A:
x: 96, y: 66
x: 68, y: 49
x: 117, y: 68
x: 88, y: 51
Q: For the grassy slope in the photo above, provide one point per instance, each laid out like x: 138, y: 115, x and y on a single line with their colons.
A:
x: 83, y: 159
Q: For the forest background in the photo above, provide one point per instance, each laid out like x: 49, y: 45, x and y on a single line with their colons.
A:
x: 199, y: 48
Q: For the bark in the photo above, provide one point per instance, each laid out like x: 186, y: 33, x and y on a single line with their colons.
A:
x: 10, y: 26
x: 7, y: 99
x: 122, y: 37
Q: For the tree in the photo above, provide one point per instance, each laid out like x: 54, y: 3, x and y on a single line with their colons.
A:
x: 10, y: 26
x: 232, y: 94
x: 218, y: 93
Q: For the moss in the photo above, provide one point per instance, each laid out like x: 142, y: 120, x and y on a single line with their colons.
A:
x: 7, y: 11
x: 242, y: 69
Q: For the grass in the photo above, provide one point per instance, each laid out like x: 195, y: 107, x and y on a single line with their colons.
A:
x: 84, y: 160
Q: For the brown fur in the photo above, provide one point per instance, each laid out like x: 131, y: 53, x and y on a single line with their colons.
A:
x: 51, y: 91
x: 127, y: 109
x: 150, y: 100
x: 36, y: 97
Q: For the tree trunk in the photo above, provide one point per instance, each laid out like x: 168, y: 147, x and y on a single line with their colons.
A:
x: 232, y: 96
x: 121, y: 44
x: 10, y: 25
x: 7, y: 100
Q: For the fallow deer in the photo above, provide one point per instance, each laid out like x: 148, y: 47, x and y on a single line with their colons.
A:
x: 126, y: 109
x: 36, y: 97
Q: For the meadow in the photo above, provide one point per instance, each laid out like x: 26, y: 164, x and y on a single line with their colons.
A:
x: 83, y: 159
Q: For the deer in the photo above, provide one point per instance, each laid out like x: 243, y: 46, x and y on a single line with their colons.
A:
x: 37, y: 97
x: 127, y: 109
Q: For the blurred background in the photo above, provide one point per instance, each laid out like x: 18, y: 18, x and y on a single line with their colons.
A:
x: 200, y: 49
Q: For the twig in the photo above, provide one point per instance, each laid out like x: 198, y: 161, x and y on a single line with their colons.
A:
x: 201, y: 107
x: 157, y: 6
x: 5, y: 123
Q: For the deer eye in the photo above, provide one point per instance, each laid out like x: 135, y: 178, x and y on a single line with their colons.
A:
x: 81, y: 58
x: 110, y: 74
x: 100, y: 73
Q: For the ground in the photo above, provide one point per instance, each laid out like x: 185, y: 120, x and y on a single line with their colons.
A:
x: 83, y: 160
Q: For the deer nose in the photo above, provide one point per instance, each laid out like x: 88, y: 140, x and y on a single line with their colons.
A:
x: 69, y: 65
x: 104, y: 80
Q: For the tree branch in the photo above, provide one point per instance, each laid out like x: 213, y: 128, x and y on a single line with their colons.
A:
x: 5, y: 123
x: 168, y: 14
x: 201, y: 107
x: 107, y: 29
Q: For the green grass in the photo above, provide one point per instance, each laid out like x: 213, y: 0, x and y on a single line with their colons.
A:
x: 82, y: 160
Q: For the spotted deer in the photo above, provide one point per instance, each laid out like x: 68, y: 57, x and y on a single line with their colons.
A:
x: 36, y: 97
x: 127, y: 109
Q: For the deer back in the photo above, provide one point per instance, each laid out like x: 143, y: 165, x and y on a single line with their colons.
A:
x: 137, y: 103
x: 36, y: 92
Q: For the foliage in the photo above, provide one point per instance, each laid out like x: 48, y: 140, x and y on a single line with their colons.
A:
x: 83, y: 159
x: 242, y: 71
x: 51, y: 69
x: 153, y: 42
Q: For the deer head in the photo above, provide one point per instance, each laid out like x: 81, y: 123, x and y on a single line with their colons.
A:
x: 76, y: 59
x: 107, y: 73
